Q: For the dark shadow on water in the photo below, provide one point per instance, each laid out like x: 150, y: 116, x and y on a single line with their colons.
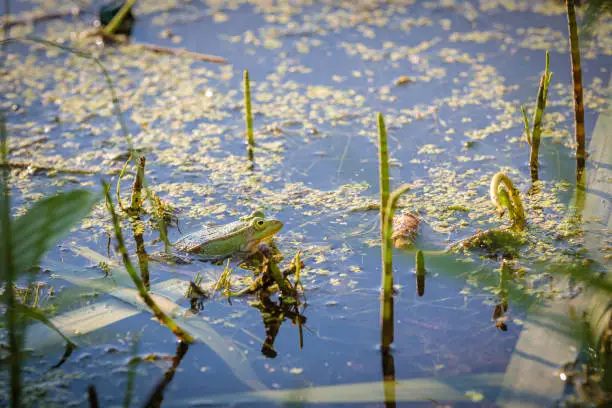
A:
x: 69, y: 349
x: 157, y: 397
x: 388, y: 369
x: 273, y: 314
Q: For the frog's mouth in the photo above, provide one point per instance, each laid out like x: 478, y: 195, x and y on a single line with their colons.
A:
x: 273, y: 227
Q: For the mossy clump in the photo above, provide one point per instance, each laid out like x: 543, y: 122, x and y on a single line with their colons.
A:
x: 504, y: 243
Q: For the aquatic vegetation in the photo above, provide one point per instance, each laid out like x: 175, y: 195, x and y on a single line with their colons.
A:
x: 140, y: 286
x: 505, y: 196
x: 533, y: 136
x: 420, y: 272
x: 248, y: 114
x: 119, y: 18
x: 387, y: 208
x: 316, y: 125
x: 24, y: 242
x: 579, y: 132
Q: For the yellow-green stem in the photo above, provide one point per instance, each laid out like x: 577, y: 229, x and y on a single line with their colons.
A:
x: 118, y: 19
x: 136, y: 200
x: 383, y: 162
x: 387, y: 269
x: 248, y: 113
x: 537, y: 119
x: 516, y: 211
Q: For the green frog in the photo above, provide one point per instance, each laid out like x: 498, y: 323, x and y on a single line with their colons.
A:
x: 238, y: 238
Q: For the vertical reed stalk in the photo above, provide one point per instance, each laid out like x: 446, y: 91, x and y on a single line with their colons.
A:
x: 383, y: 162
x: 142, y: 290
x: 92, y: 397
x: 114, y: 24
x: 580, y: 134
x: 533, y: 137
x: 420, y: 273
x: 387, y: 281
x: 248, y: 114
x: 136, y: 199
x: 387, y: 319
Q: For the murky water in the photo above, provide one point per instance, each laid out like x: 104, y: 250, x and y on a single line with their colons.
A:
x: 319, y: 74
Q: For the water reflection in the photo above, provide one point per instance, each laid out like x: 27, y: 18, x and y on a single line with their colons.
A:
x: 388, y: 368
x: 273, y: 314
x: 501, y: 307
x: 157, y: 396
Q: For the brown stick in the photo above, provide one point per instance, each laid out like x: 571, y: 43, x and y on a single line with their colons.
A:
x: 37, y: 16
x: 577, y: 80
x: 181, y: 52
x: 42, y: 167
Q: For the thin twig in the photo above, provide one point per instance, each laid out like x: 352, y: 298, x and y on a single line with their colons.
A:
x: 37, y: 16
x: 181, y: 52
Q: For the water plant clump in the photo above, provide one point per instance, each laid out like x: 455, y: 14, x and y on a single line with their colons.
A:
x: 533, y: 135
x: 506, y: 198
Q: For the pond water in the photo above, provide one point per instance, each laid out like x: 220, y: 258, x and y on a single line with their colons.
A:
x: 319, y: 74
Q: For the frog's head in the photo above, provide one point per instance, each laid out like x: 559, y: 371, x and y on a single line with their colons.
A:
x: 262, y: 229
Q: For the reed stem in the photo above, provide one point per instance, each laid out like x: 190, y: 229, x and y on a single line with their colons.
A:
x: 142, y: 290
x: 118, y: 19
x: 420, y: 273
x: 387, y: 319
x: 136, y: 199
x: 248, y: 114
x: 533, y: 136
x: 580, y: 134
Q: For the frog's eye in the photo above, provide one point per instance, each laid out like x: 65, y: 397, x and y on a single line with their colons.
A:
x: 258, y: 223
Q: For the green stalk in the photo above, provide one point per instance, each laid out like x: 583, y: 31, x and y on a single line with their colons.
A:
x: 118, y: 19
x: 526, y: 122
x: 508, y: 199
x: 136, y: 199
x: 420, y: 272
x: 248, y: 114
x: 387, y: 320
x: 142, y: 290
x: 533, y: 136
x: 8, y: 274
x: 383, y: 162
x: 298, y: 270
x: 577, y: 81
x: 118, y: 189
x: 537, y: 119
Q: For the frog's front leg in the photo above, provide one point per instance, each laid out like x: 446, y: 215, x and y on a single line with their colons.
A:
x: 171, y: 258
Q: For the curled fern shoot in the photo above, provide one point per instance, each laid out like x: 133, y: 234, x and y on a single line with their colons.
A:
x: 506, y: 198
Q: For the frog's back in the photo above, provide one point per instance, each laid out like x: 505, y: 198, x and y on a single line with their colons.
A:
x: 208, y: 235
